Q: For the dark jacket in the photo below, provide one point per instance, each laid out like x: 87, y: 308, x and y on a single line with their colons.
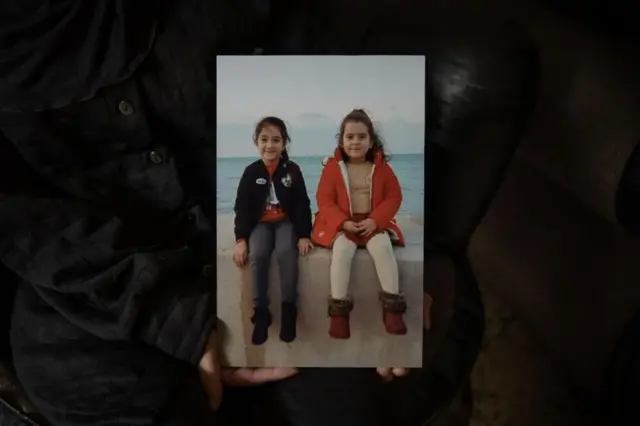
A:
x: 290, y: 189
x: 107, y: 198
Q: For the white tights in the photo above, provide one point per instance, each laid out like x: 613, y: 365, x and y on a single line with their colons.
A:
x: 380, y: 249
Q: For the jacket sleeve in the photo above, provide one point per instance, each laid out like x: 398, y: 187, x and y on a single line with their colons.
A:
x: 326, y: 197
x: 387, y: 209
x: 72, y: 254
x: 303, y: 208
x: 242, y: 208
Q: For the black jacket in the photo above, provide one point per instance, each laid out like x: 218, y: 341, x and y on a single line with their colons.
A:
x: 290, y: 189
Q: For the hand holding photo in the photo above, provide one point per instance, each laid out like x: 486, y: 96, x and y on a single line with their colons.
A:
x: 320, y: 259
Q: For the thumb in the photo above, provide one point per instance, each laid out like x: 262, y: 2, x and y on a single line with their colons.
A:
x: 213, y: 387
x: 209, y: 369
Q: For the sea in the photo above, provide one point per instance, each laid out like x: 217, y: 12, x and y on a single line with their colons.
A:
x: 408, y: 167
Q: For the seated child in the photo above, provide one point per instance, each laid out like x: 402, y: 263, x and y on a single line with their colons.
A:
x: 272, y: 212
x: 358, y: 197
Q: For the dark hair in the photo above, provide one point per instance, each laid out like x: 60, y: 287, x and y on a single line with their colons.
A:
x: 360, y: 116
x: 279, y: 124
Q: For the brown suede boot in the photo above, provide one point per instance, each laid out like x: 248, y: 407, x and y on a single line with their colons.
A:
x: 393, y: 307
x: 339, y: 310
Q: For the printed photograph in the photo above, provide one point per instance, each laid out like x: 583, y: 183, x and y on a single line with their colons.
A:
x: 320, y: 204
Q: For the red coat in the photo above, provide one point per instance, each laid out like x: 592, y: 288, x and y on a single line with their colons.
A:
x: 334, y: 205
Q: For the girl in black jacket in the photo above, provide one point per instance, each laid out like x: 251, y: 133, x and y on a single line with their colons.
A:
x: 272, y: 212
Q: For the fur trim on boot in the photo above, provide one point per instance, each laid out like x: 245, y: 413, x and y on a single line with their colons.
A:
x: 393, y: 308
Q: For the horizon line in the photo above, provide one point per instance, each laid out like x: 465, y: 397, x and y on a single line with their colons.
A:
x: 292, y: 123
x: 313, y: 155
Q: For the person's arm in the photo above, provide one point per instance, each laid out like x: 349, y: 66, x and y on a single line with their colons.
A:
x: 71, y: 252
x: 303, y: 208
x: 386, y: 211
x: 243, y: 208
x: 326, y: 197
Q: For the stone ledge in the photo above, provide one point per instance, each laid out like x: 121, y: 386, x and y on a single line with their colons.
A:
x: 369, y: 345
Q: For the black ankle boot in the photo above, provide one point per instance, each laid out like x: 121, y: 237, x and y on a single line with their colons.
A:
x: 261, y: 321
x: 289, y: 316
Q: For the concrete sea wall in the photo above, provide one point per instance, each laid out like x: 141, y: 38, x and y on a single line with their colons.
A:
x: 369, y: 345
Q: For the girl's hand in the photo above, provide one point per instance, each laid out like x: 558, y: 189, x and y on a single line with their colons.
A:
x: 240, y: 253
x: 367, y: 227
x: 350, y: 226
x: 304, y: 246
x: 388, y: 373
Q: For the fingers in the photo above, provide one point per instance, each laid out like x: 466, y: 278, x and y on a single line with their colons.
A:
x: 213, y: 387
x: 365, y: 227
x: 387, y: 373
x: 255, y: 376
x: 305, y: 248
x: 400, y: 372
x: 240, y: 259
x: 367, y: 231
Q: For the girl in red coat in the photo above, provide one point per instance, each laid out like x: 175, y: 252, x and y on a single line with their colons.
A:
x: 358, y: 197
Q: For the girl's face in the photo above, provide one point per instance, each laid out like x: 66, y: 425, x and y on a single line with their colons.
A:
x: 356, y: 141
x: 270, y: 143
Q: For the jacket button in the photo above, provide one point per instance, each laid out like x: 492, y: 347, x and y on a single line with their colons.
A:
x: 155, y: 157
x: 207, y: 271
x: 125, y: 108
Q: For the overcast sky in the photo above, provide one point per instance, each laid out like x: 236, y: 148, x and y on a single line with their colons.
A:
x: 313, y: 93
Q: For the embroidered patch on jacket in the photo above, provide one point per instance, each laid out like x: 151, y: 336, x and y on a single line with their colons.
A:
x: 261, y: 181
x: 286, y: 181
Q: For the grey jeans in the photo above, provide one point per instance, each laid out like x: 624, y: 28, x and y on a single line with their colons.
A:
x: 266, y: 237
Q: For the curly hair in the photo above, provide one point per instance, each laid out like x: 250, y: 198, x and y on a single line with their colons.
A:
x: 360, y: 116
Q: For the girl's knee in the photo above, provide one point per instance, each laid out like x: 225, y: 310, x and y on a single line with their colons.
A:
x: 380, y: 243
x: 259, y: 254
x: 343, y: 246
x: 260, y: 243
x: 284, y: 251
